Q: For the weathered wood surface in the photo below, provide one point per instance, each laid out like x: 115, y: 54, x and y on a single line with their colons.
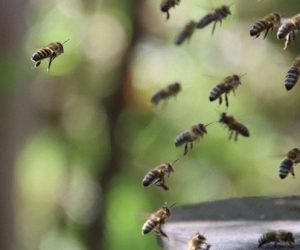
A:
x: 234, y: 224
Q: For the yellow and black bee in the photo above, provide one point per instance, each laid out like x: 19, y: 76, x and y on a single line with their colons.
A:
x: 288, y: 25
x: 292, y: 75
x: 51, y: 51
x: 157, y: 175
x: 198, y: 242
x: 287, y: 165
x: 186, y: 33
x: 166, y: 5
x: 188, y: 137
x: 229, y: 84
x: 265, y: 24
x: 156, y: 220
x: 234, y: 126
x: 276, y: 236
x: 165, y: 93
x: 217, y: 15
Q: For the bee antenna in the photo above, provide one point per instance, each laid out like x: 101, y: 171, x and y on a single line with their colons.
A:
x: 66, y: 41
x: 241, y: 75
x: 172, y: 205
x: 173, y: 162
x: 210, y: 123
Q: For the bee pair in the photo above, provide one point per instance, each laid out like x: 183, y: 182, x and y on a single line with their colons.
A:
x: 199, y: 130
x: 287, y: 165
x: 51, y: 51
x: 217, y: 15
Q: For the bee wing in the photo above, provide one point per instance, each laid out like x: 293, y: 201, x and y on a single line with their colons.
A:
x: 284, y: 20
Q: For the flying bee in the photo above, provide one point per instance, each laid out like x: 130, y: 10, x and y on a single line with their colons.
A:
x: 171, y: 90
x: 198, y: 242
x: 217, y: 15
x: 265, y: 24
x: 188, y: 137
x: 51, y: 51
x: 186, y: 33
x: 166, y: 5
x: 234, y: 126
x: 157, y: 175
x: 276, y: 236
x: 288, y: 25
x: 230, y: 83
x: 156, y: 220
x: 287, y: 165
x: 292, y: 75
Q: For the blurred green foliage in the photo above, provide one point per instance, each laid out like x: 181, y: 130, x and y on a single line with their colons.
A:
x: 58, y: 166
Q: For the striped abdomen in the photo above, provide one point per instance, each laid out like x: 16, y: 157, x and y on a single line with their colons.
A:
x: 183, y: 138
x: 291, y: 78
x: 149, y: 178
x: 258, y: 27
x: 157, y: 97
x: 41, y: 54
x: 186, y: 33
x: 285, y: 168
x: 285, y: 29
x: 217, y: 92
x: 267, y: 238
x: 241, y: 129
x: 148, y: 226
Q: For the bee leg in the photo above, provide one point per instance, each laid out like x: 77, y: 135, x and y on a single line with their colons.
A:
x: 266, y: 33
x: 226, y: 101
x: 236, y: 136
x: 230, y: 135
x: 191, y: 145
x: 214, y: 27
x: 159, y: 231
x: 168, y: 15
x: 50, y: 61
x: 185, y: 149
x: 220, y: 100
x: 293, y: 172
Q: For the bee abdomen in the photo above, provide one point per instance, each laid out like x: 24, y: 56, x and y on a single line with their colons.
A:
x: 266, y: 238
x: 284, y: 30
x: 148, y: 179
x: 285, y: 168
x: 148, y: 226
x: 183, y: 138
x: 258, y: 28
x: 291, y: 78
x: 216, y: 93
x: 243, y: 130
x: 41, y: 54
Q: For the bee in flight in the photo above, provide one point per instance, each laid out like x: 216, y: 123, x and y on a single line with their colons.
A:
x: 157, y: 175
x: 188, y: 137
x: 265, y: 24
x: 156, y: 221
x: 234, y: 126
x: 229, y: 84
x: 198, y: 242
x: 166, y: 5
x: 276, y: 236
x: 288, y: 25
x: 292, y: 75
x: 186, y: 33
x: 217, y: 15
x: 287, y: 165
x: 51, y: 51
x: 163, y: 94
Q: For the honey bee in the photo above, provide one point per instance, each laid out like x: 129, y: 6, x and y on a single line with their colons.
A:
x: 188, y: 137
x: 156, y: 220
x: 292, y: 75
x: 266, y: 23
x: 230, y: 83
x: 186, y: 33
x: 51, y: 51
x: 215, y: 16
x: 287, y: 165
x: 234, y: 126
x: 157, y: 175
x: 198, y: 242
x: 288, y: 25
x: 166, y: 5
x: 165, y: 93
x: 276, y: 236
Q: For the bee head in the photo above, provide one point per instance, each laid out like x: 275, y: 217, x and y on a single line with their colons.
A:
x: 277, y: 17
x: 223, y: 117
x: 226, y: 9
x: 200, y: 237
x: 61, y: 47
x: 170, y: 167
x: 164, y: 7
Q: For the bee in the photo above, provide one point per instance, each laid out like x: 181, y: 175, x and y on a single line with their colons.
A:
x: 157, y: 175
x: 234, y: 126
x: 287, y: 165
x: 198, y: 242
x: 292, y: 75
x: 186, y: 33
x: 288, y: 25
x: 188, y: 137
x: 276, y: 236
x: 166, y: 5
x: 156, y: 220
x: 215, y: 16
x: 230, y: 83
x: 51, y: 51
x: 171, y: 90
x: 266, y: 23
